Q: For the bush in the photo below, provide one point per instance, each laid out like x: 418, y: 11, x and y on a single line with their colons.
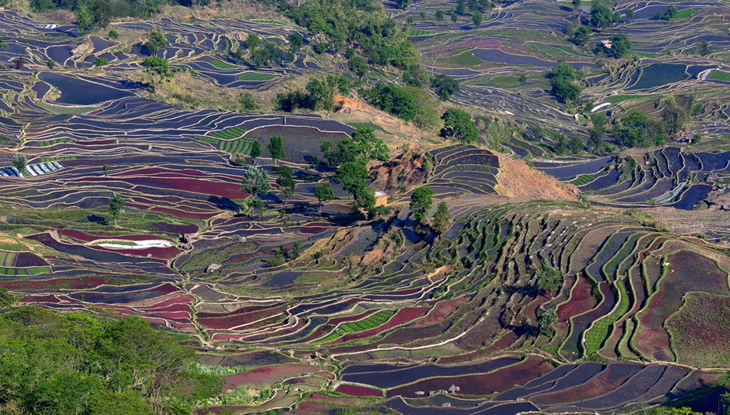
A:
x: 392, y: 99
x: 459, y: 125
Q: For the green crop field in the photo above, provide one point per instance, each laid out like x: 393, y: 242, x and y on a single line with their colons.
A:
x: 222, y: 65
x: 584, y: 179
x: 719, y: 75
x: 462, y: 59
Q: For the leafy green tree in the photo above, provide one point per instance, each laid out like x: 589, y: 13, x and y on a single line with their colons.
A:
x: 576, y: 145
x: 421, y: 202
x: 51, y: 64
x: 439, y: 16
x: 155, y: 42
x: 454, y: 16
x: 157, y: 66
x: 100, y: 62
x: 256, y: 150
x: 460, y: 8
x: 442, y: 218
x: 248, y: 103
x: 255, y: 181
x: 362, y: 146
x: 601, y: 14
x: 286, y: 182
x: 324, y: 194
x: 444, y: 86
x: 620, y: 46
x: 546, y: 318
x: 295, y: 41
x: 74, y: 363
x: 19, y: 161
x: 635, y: 130
x: 576, y: 4
x: 563, y: 81
x: 113, y: 34
x: 629, y: 14
x: 116, y: 204
x: 253, y: 41
x: 6, y: 299
x: 276, y: 148
x: 392, y: 99
x: 459, y: 125
x: 352, y: 175
x: 703, y: 48
x: 105, y: 170
x: 477, y: 19
x: 359, y: 66
x: 581, y: 36
x: 548, y: 278
x: 2, y: 43
x: 255, y: 205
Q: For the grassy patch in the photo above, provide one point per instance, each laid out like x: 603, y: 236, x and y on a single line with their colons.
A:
x: 419, y: 32
x: 222, y: 65
x: 376, y: 320
x: 47, y: 159
x: 583, y: 179
x: 683, y: 14
x: 465, y: 59
x: 256, y: 76
x: 719, y: 76
x: 54, y: 142
x: 615, y: 99
x: 597, y: 334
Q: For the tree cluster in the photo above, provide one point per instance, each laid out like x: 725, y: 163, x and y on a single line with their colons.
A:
x: 565, y: 84
x: 392, y: 99
x: 459, y: 125
x: 362, y: 146
x: 637, y: 129
x: 319, y: 94
x: 74, y: 363
x: 360, y: 24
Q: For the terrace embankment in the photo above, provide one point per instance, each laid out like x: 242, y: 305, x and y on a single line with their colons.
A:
x: 517, y: 179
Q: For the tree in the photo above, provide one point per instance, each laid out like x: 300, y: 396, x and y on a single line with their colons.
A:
x: 248, y: 103
x: 620, y: 45
x: 392, y: 99
x: 703, y: 48
x: 113, y: 34
x: 576, y: 145
x: 601, y: 14
x: 79, y: 363
x: 563, y: 81
x: 100, y: 62
x: 255, y: 150
x: 324, y: 194
x: 105, y: 170
x: 255, y: 181
x: 576, y: 4
x: 454, y: 16
x: 477, y: 18
x: 51, y: 64
x: 629, y: 14
x: 362, y: 146
x: 255, y: 205
x: 548, y: 278
x: 157, y: 66
x: 20, y: 162
x: 545, y: 320
x: 2, y: 43
x: 459, y: 125
x: 581, y: 36
x: 444, y: 86
x: 442, y: 218
x: 460, y: 8
x: 155, y: 42
x: 116, y: 204
x: 6, y: 299
x: 276, y: 148
x: 286, y: 182
x: 253, y: 41
x: 359, y: 66
x: 295, y: 41
x: 420, y: 203
x: 439, y: 16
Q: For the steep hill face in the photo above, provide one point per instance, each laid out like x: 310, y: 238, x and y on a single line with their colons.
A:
x: 517, y: 179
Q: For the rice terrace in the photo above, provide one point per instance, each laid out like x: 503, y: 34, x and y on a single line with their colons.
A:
x: 492, y: 207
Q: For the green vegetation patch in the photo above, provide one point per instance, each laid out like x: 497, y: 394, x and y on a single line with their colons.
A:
x: 682, y: 14
x: 583, y: 179
x: 615, y: 99
x: 222, y: 65
x: 376, y: 320
x: 597, y: 334
x: 463, y: 59
x: 47, y: 159
x: 720, y: 76
x: 54, y: 142
x: 24, y: 271
x: 256, y: 76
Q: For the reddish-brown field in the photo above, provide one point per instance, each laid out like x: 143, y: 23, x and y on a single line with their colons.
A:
x: 483, y: 384
x: 354, y: 390
x: 266, y: 375
x: 580, y: 301
x: 440, y: 311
